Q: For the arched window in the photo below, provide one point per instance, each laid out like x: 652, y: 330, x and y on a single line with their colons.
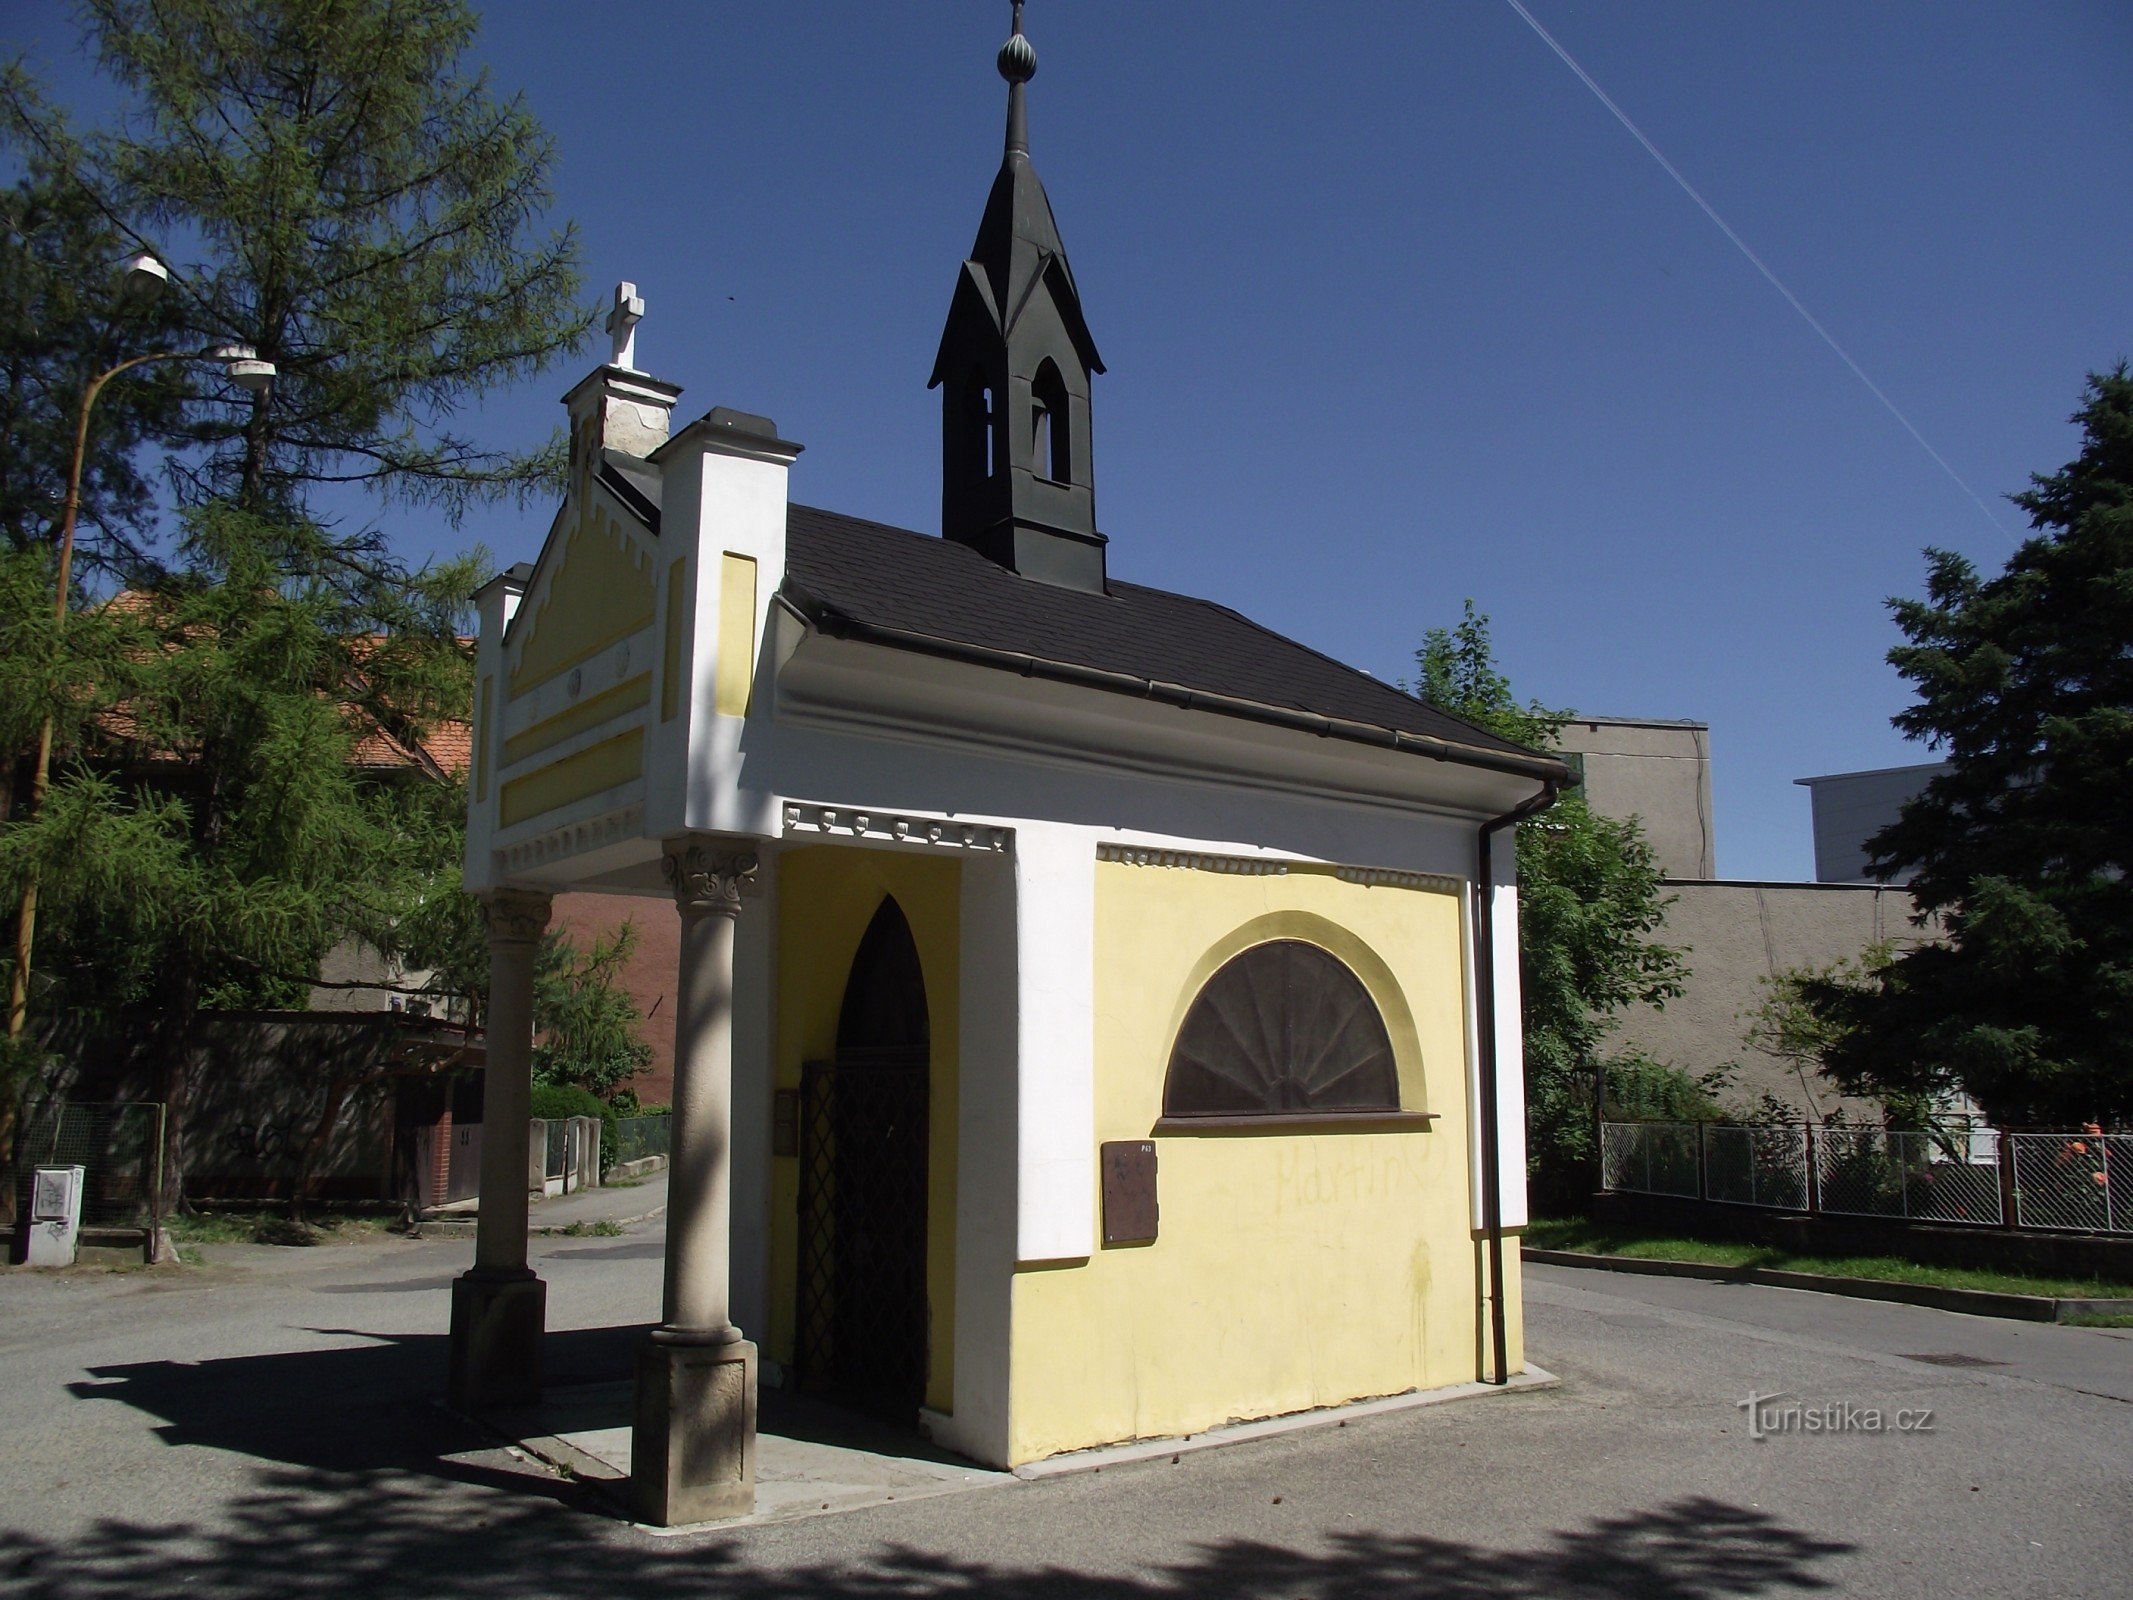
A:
x: 1051, y: 455
x: 983, y: 417
x: 1283, y: 1029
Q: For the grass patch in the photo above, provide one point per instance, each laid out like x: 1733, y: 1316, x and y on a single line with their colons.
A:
x: 275, y: 1227
x: 2101, y: 1319
x: 603, y: 1229
x: 1577, y: 1233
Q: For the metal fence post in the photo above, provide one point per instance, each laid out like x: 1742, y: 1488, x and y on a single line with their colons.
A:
x: 2010, y: 1195
x: 1703, y: 1162
x: 1814, y: 1168
x: 155, y: 1187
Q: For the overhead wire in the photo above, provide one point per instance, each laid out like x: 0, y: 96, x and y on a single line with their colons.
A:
x: 1758, y: 263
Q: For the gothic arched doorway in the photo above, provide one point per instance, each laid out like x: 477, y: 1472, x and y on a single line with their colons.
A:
x: 862, y: 1280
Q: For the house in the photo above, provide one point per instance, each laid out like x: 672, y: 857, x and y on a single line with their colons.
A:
x: 1097, y: 1015
x: 1851, y: 807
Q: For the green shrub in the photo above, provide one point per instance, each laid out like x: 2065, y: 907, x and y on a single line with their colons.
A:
x: 554, y: 1101
x: 1640, y: 1089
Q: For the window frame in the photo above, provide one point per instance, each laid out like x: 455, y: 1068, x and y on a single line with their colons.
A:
x: 1278, y: 1119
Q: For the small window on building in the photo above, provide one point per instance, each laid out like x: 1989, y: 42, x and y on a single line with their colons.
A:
x: 984, y: 421
x: 1283, y: 1030
x: 1050, y: 456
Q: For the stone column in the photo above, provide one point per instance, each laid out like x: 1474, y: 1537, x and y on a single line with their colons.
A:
x: 499, y: 1307
x: 693, y: 1449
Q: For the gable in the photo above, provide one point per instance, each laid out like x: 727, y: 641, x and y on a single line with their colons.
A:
x: 594, y: 587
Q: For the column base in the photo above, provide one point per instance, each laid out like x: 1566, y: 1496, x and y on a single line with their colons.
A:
x: 692, y: 1454
x: 497, y: 1323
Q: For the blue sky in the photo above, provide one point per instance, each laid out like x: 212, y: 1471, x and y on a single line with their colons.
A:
x: 1396, y: 313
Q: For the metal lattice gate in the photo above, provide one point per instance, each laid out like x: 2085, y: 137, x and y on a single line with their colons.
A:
x: 862, y: 1280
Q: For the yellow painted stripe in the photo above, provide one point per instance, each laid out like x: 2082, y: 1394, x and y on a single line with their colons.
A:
x: 623, y: 697
x: 596, y: 767
x: 736, y: 636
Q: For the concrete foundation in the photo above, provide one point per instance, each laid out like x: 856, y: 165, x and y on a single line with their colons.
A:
x: 497, y: 1322
x: 692, y: 1450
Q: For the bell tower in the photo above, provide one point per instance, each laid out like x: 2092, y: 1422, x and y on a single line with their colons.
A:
x: 1017, y: 478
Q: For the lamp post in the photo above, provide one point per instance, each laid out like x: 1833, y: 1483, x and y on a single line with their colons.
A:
x: 144, y: 276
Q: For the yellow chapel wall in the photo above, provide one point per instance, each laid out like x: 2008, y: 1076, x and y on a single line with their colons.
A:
x: 827, y: 894
x: 601, y: 593
x: 1291, y: 1270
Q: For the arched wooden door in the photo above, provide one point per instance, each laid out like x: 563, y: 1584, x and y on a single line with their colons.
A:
x: 862, y: 1281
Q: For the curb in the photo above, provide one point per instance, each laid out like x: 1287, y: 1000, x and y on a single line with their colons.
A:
x: 1977, y: 1302
x: 464, y: 1228
x: 1094, y: 1460
x: 562, y: 1230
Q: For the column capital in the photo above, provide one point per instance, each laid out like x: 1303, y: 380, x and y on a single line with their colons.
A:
x: 708, y: 877
x: 517, y: 916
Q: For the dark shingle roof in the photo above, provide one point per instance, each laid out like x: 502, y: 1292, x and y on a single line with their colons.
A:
x: 901, y: 587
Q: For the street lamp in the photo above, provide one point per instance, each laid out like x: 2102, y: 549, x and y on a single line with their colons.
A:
x: 143, y: 277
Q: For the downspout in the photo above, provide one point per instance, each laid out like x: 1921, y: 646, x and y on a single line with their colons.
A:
x: 1485, y: 1041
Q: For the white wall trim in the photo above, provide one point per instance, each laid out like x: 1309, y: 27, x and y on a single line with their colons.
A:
x: 1194, y: 860
x: 575, y: 838
x: 839, y: 686
x: 1055, y: 937
x: 605, y: 669
x: 1510, y: 1049
x: 1390, y: 877
x: 862, y: 822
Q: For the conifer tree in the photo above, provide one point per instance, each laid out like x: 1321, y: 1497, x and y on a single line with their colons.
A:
x: 331, y: 186
x: 329, y: 183
x: 59, y: 326
x: 2024, y: 845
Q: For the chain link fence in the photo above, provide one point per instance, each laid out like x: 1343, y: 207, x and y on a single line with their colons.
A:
x: 1973, y: 1175
x: 2074, y: 1180
x: 1920, y: 1176
x: 1649, y: 1157
x: 1756, y: 1165
x: 118, y: 1145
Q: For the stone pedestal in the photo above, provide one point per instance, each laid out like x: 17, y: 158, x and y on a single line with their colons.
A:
x: 499, y: 1306
x: 497, y: 1319
x: 692, y: 1451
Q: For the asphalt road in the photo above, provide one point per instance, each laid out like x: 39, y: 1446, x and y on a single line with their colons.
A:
x: 266, y: 1426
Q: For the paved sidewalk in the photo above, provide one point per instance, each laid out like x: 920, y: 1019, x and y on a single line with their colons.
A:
x: 621, y: 1205
x: 810, y: 1457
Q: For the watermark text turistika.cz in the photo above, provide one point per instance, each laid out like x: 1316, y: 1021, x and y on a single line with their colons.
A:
x: 1770, y: 1414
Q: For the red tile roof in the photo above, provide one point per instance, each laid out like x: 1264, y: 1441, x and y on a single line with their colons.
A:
x: 445, y: 750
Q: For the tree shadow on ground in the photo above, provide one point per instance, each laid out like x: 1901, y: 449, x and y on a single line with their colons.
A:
x: 368, y: 1487
x: 304, y: 1532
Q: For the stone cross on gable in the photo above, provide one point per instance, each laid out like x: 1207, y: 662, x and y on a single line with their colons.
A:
x: 622, y: 325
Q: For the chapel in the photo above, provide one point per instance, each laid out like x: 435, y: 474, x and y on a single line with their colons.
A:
x: 1098, y: 1014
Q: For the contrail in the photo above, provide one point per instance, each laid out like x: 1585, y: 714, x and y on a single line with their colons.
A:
x: 1756, y: 262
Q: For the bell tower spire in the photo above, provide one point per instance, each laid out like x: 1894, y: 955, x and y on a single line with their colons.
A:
x: 1017, y: 482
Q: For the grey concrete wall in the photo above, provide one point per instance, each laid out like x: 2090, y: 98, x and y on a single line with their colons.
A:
x: 351, y: 962
x: 1738, y: 934
x: 1851, y: 807
x: 1658, y: 772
